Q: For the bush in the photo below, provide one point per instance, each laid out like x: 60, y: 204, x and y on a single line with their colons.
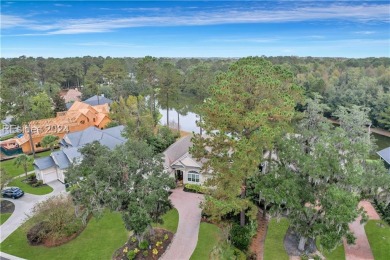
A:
x: 145, y: 253
x: 383, y: 210
x: 131, y: 255
x: 194, y: 188
x: 144, y: 245
x: 53, y: 219
x: 37, y: 234
x: 240, y: 236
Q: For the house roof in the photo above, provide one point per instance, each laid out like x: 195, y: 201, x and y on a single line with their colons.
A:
x: 385, y: 154
x: 109, y: 137
x: 178, y: 155
x: 97, y: 100
x: 67, y: 118
x: 44, y: 163
x: 71, y: 95
x: 178, y: 149
x: 60, y: 159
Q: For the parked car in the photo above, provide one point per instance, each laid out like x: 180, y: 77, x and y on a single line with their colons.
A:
x: 12, y: 192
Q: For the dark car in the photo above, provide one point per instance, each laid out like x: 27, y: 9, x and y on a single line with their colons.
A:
x: 12, y: 192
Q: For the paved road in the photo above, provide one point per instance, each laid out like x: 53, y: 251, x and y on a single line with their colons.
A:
x: 23, y: 207
x: 186, y: 237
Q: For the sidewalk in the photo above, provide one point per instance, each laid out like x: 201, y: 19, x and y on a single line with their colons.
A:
x: 361, y: 250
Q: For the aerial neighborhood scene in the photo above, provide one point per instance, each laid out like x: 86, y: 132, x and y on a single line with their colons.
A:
x: 177, y: 130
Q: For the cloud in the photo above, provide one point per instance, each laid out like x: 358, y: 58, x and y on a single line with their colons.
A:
x: 62, y: 5
x: 189, y: 17
x: 366, y: 32
x: 11, y: 21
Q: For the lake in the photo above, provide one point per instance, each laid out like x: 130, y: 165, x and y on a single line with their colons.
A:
x: 188, y: 124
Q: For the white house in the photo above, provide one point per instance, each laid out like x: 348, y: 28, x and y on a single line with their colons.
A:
x: 179, y: 163
x: 53, y: 167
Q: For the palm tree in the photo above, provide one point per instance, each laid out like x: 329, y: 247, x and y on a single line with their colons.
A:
x: 24, y: 161
x: 50, y: 141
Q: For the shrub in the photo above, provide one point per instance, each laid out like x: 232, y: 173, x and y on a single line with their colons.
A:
x: 133, y: 239
x: 145, y: 253
x: 131, y: 255
x: 37, y: 234
x: 240, y: 236
x: 166, y: 236
x: 144, y: 245
x: 53, y: 219
x: 194, y: 188
x: 155, y: 251
x: 383, y: 210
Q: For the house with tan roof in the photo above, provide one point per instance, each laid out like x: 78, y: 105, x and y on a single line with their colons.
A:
x: 180, y: 164
x: 79, y: 117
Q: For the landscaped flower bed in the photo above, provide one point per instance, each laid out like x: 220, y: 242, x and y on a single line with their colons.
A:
x: 153, y: 247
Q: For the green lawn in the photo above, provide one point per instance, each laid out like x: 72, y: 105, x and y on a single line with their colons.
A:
x: 208, y: 238
x: 337, y: 254
x: 4, y: 217
x: 99, y: 240
x: 379, y: 238
x: 10, y: 167
x: 42, y: 190
x: 170, y: 221
x: 274, y: 247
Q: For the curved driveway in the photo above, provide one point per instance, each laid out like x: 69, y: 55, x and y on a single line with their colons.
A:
x: 186, y: 237
x: 23, y: 207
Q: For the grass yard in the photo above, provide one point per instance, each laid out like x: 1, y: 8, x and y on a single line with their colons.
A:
x: 4, y: 217
x: 170, y: 221
x: 379, y: 238
x: 208, y: 238
x: 99, y: 240
x: 337, y: 254
x: 14, y: 171
x: 42, y: 190
x: 273, y: 246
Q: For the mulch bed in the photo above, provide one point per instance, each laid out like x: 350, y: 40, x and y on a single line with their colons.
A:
x: 257, y: 244
x: 6, y: 206
x: 147, y: 254
x: 291, y: 241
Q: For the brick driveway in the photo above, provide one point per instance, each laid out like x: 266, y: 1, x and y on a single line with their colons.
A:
x: 186, y: 237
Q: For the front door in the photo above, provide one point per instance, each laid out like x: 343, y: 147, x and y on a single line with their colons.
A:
x: 179, y: 175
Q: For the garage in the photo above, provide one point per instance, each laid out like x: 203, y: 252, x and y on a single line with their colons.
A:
x: 49, y: 176
x: 45, y: 169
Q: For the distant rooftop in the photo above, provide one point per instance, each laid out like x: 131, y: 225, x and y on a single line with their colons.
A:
x: 98, y: 100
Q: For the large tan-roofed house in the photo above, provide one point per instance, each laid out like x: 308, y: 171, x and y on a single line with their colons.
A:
x: 79, y: 117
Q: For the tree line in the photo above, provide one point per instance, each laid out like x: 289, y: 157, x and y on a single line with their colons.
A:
x: 341, y: 81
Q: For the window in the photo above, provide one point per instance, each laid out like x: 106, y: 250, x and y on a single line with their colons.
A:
x: 193, y: 176
x: 82, y: 122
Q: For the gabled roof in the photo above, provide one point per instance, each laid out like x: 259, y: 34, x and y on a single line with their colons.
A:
x: 60, y: 159
x: 97, y: 100
x: 178, y: 149
x: 44, y: 163
x: 177, y: 155
x: 385, y: 154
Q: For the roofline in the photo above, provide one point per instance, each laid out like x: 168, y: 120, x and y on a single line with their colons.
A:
x: 383, y: 158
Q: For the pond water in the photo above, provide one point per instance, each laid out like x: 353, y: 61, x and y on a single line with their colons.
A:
x: 188, y: 124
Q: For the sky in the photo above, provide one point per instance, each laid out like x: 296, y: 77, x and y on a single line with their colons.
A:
x: 195, y: 29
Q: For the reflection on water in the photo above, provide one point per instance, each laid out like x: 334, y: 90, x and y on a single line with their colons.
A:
x: 187, y: 122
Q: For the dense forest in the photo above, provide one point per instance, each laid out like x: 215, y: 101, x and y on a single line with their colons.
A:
x: 340, y: 81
